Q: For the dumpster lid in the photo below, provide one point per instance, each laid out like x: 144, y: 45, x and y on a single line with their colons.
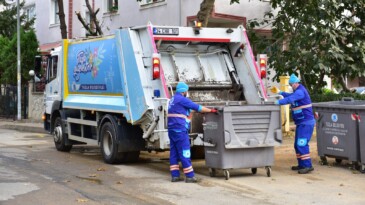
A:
x: 355, y: 104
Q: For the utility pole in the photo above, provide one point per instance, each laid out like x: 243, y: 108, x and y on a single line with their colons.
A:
x: 19, y: 76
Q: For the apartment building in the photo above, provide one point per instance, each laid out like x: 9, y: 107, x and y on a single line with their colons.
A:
x: 114, y: 14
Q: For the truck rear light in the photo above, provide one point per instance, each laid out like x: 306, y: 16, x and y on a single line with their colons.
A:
x: 156, y: 68
x: 263, y: 65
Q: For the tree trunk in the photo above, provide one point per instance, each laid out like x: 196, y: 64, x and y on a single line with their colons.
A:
x: 93, y: 21
x: 93, y: 18
x: 341, y: 80
x: 61, y: 14
x: 206, y: 8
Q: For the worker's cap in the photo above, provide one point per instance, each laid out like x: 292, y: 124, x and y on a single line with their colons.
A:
x: 182, y: 87
x: 293, y: 79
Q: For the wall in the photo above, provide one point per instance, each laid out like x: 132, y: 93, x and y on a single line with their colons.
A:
x: 35, y: 104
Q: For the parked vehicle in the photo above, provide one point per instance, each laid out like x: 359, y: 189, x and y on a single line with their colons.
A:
x: 114, y: 91
x: 358, y: 90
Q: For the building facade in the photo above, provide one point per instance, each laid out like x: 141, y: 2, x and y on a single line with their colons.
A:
x: 115, y: 14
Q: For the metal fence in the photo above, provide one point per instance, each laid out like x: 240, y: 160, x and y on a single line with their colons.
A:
x: 9, y: 101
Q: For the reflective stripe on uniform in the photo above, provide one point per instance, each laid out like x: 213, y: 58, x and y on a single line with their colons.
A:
x: 188, y: 169
x: 177, y: 115
x: 302, y: 107
x: 174, y: 167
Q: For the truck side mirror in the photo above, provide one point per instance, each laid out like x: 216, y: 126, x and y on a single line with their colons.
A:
x: 37, y: 64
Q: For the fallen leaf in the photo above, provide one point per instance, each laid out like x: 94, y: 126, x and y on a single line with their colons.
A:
x: 92, y: 175
x: 119, y: 182
x: 101, y: 169
x: 81, y: 200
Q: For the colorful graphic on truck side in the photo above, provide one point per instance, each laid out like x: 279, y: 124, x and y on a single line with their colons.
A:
x: 93, y: 69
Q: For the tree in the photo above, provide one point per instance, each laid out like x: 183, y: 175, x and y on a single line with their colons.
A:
x: 94, y: 28
x: 8, y: 19
x: 8, y: 54
x: 61, y: 14
x: 206, y: 8
x: 319, y: 38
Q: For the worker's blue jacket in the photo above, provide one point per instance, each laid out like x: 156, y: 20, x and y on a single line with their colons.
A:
x: 301, y: 105
x: 179, y: 111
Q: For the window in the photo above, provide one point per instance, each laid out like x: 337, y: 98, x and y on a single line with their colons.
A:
x: 52, y: 67
x: 30, y: 12
x: 55, y: 19
x: 146, y: 2
x: 111, y: 6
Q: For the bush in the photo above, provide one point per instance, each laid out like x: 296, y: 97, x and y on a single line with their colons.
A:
x: 329, y: 96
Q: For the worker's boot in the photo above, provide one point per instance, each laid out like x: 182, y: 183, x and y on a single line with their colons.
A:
x: 296, y: 168
x: 305, y: 170
x: 176, y: 179
x: 191, y: 180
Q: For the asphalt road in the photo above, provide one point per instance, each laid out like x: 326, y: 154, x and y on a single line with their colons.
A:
x: 33, y: 172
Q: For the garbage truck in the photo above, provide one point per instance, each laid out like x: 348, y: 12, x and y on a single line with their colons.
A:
x: 113, y: 91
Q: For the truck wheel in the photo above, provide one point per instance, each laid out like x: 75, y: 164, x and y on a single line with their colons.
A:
x: 109, y: 146
x: 59, y: 136
x: 131, y: 156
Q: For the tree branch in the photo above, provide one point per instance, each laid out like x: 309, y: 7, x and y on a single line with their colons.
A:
x: 84, y: 24
x: 93, y: 18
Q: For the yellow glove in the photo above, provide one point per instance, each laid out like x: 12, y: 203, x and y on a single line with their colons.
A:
x: 274, y: 89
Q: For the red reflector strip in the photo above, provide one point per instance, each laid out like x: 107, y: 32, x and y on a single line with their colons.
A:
x: 316, y: 115
x: 219, y: 40
x: 355, y: 117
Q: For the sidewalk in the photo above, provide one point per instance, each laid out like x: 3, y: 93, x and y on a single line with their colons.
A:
x: 24, y: 125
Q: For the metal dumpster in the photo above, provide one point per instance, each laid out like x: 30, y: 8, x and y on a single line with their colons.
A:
x: 242, y: 137
x: 361, y: 119
x: 338, y: 129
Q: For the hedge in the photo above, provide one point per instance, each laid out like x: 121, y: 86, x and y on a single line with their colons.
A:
x: 326, y: 97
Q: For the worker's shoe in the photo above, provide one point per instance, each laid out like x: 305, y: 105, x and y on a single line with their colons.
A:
x: 305, y: 170
x: 296, y: 168
x: 191, y: 180
x: 176, y: 179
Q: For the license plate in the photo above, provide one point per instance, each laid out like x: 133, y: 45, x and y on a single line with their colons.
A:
x: 165, y: 31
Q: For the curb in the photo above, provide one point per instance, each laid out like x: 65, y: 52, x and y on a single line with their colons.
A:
x: 24, y: 128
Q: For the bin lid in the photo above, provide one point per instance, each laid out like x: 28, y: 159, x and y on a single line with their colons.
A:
x: 356, y: 104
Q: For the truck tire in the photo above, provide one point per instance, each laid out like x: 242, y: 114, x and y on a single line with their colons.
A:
x: 59, y: 136
x: 109, y: 147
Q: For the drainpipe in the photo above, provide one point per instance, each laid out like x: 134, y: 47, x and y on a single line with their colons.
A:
x: 70, y: 17
x: 180, y: 17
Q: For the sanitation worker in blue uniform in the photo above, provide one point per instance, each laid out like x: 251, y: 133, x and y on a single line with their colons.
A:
x: 179, y: 111
x: 301, y: 107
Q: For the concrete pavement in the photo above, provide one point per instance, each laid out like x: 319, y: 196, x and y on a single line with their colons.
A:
x: 25, y: 125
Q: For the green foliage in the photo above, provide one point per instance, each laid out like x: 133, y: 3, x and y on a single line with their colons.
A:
x: 321, y: 38
x: 327, y: 97
x: 8, y: 19
x: 8, y: 54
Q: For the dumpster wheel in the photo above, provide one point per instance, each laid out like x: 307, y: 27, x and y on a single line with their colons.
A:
x: 268, y: 171
x: 254, y: 170
x: 212, y: 172
x: 226, y: 174
x: 323, y: 161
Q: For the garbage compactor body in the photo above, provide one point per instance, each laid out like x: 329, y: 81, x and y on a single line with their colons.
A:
x: 242, y: 137
x: 339, y: 130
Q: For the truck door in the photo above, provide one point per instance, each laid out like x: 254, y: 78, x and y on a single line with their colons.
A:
x: 53, y: 87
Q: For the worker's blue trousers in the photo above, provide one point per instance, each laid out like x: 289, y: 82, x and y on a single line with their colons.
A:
x: 303, y: 135
x: 180, y: 151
